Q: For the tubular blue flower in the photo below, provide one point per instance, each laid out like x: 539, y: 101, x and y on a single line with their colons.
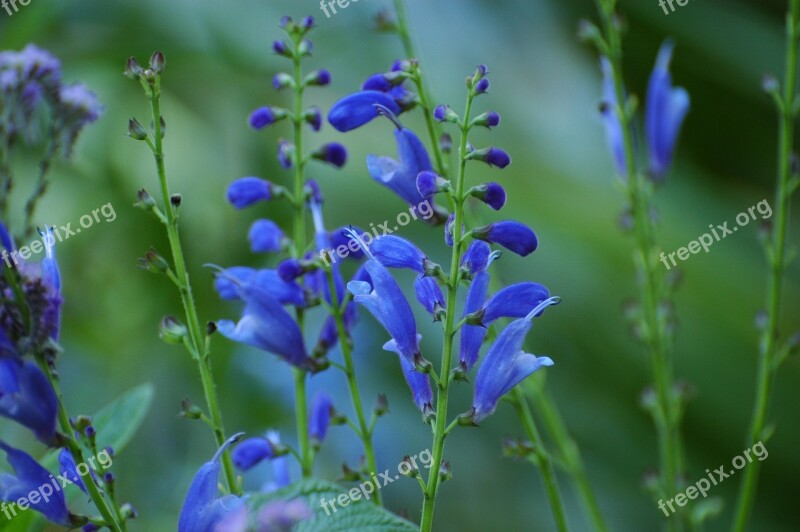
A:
x: 202, y: 510
x: 338, y: 238
x: 492, y: 156
x: 613, y: 127
x: 512, y: 235
x: 313, y: 117
x: 666, y: 109
x: 69, y: 469
x: 266, y: 325
x: 286, y: 293
x: 419, y: 383
x: 386, y: 302
x: 51, y: 280
x: 249, y: 190
x: 472, y: 336
x: 266, y: 237
x: 396, y: 252
x: 252, y: 452
x: 514, y: 301
x: 332, y: 153
x: 27, y: 397
x: 320, y: 418
x: 30, y: 476
x: 492, y: 194
x: 429, y: 294
x: 357, y: 109
x: 506, y: 365
x: 262, y: 117
x: 476, y: 258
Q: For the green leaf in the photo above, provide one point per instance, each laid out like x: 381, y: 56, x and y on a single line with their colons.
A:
x: 357, y: 516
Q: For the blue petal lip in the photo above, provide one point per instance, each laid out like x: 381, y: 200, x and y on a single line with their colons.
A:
x: 396, y: 252
x: 357, y: 109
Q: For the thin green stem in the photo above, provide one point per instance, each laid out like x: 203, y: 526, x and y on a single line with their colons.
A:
x: 74, y: 448
x: 543, y: 458
x: 41, y: 182
x: 666, y: 415
x: 443, y: 387
x: 364, y: 428
x: 299, y: 241
x: 200, y: 350
x: 769, y: 345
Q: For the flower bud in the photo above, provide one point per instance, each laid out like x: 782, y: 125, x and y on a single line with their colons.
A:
x: 286, y: 154
x: 190, y: 411
x: 443, y: 113
x: 491, y: 194
x: 482, y: 87
x: 157, y: 62
x: 408, y: 468
x: 136, y: 130
x: 445, y: 473
x: 266, y: 116
x: 319, y: 78
x: 282, y: 80
x: 172, y: 331
x: 381, y: 407
x: 305, y: 48
x: 132, y: 69
x: 153, y: 262
x: 332, y: 153
x: 313, y: 117
x: 280, y: 48
x: 175, y: 200
x: 487, y: 120
x: 430, y: 183
x: 491, y: 156
x: 146, y: 201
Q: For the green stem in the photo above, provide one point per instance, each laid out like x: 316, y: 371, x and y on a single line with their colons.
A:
x: 769, y: 345
x: 364, y: 429
x: 443, y: 387
x: 201, y: 352
x: 569, y: 453
x: 299, y: 241
x: 543, y: 459
x: 74, y: 448
x: 666, y: 416
x: 422, y: 92
x: 41, y: 183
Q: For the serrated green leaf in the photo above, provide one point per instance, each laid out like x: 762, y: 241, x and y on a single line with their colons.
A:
x: 357, y: 516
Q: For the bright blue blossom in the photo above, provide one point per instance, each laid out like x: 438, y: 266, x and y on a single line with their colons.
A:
x: 27, y: 397
x: 357, y: 109
x: 506, y: 365
x: 666, y: 109
x: 472, y: 336
x: 69, y: 469
x: 262, y: 117
x: 514, y: 236
x: 320, y: 418
x: 492, y: 194
x: 266, y: 325
x: 419, y: 383
x: 29, y: 476
x: 514, y: 301
x: 266, y: 237
x: 332, y: 153
x: 203, y: 510
x: 396, y: 252
x: 253, y: 451
x: 249, y: 190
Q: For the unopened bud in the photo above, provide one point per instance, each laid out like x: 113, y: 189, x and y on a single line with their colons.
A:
x: 136, y: 130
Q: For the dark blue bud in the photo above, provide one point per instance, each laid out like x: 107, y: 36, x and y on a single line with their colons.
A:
x: 280, y: 48
x: 491, y: 156
x: 482, y: 86
x: 249, y: 190
x: 476, y: 258
x: 512, y: 235
x: 285, y: 21
x: 313, y: 117
x: 443, y: 113
x: 320, y: 418
x: 429, y: 294
x: 357, y: 109
x: 263, y: 117
x: 332, y: 153
x: 319, y: 78
x: 491, y: 194
x: 282, y: 80
x: 308, y: 22
x: 290, y: 269
x: 487, y: 120
x: 266, y: 237
x: 430, y: 183
x: 286, y: 152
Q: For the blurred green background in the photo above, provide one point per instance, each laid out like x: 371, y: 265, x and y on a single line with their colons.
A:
x: 545, y: 84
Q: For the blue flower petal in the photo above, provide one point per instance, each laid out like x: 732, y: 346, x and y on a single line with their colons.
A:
x: 357, y: 109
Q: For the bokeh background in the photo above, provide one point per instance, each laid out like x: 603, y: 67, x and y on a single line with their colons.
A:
x: 546, y: 87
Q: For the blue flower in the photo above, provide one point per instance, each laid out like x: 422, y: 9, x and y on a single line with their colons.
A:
x: 396, y: 252
x: 386, y: 302
x: 320, y: 418
x: 476, y: 258
x: 253, y: 451
x: 357, y: 109
x: 513, y: 301
x: 492, y: 194
x: 262, y: 117
x: 332, y: 153
x: 419, y: 383
x: 429, y: 294
x: 266, y: 237
x: 249, y: 190
x: 31, y: 477
x: 266, y: 325
x: 472, y: 336
x: 609, y: 110
x: 202, y: 510
x: 69, y: 469
x: 666, y: 109
x: 27, y: 397
x: 512, y: 235
x: 492, y: 156
x: 286, y: 293
x: 506, y: 365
